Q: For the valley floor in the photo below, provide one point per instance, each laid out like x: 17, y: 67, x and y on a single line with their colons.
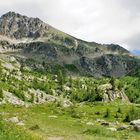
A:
x: 84, y: 121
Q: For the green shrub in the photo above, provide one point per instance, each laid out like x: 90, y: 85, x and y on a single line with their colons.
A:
x: 107, y: 113
x: 1, y: 94
x: 131, y: 115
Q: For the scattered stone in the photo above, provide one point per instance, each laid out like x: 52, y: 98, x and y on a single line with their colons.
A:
x: 4, y: 113
x: 35, y: 127
x: 66, y: 88
x: 123, y: 127
x: 102, y: 122
x: 136, y: 124
x: 105, y: 123
x: 52, y: 116
x: 20, y: 123
x: 55, y: 138
x: 66, y: 103
x: 112, y: 129
x: 99, y: 120
x: 115, y: 123
x: 90, y: 123
x: 14, y: 119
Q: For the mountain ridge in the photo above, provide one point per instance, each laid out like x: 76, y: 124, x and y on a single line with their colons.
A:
x: 34, y: 39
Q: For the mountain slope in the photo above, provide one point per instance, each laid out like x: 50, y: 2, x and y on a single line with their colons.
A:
x: 30, y: 38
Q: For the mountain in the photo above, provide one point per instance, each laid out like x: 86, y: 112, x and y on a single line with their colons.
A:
x: 16, y: 26
x: 31, y: 39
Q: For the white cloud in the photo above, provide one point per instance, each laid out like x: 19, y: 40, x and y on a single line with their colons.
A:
x: 103, y: 21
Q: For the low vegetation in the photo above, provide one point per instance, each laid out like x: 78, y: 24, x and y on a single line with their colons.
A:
x: 87, y: 117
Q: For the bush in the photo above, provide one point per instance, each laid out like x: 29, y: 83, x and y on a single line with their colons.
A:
x: 131, y: 115
x: 107, y: 113
x: 1, y: 94
x: 119, y: 110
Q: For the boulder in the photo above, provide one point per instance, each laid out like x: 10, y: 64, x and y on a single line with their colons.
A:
x: 14, y: 119
x: 66, y: 103
x: 90, y: 123
x: 20, y: 123
x: 66, y: 88
x: 52, y: 116
x: 136, y: 124
x: 105, y: 123
x: 123, y: 127
x: 110, y: 94
x: 12, y: 99
x: 112, y: 129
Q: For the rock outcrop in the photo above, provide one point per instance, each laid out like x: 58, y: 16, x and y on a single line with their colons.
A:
x: 14, y: 25
x: 110, y: 94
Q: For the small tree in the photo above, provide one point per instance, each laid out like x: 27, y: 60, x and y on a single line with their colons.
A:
x: 1, y: 94
x: 119, y: 110
x: 43, y: 64
x: 112, y: 82
x: 70, y: 81
x: 61, y: 79
x: 132, y: 114
x: 107, y: 113
x: 32, y: 98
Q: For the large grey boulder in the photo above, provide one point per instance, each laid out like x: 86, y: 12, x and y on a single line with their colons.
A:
x: 110, y: 94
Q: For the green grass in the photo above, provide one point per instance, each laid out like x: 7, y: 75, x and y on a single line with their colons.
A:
x: 69, y: 123
x: 9, y: 131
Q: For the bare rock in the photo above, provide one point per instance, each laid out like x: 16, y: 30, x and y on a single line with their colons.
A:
x: 10, y: 98
x: 136, y: 125
x: 123, y: 127
x: 112, y: 129
x: 14, y: 119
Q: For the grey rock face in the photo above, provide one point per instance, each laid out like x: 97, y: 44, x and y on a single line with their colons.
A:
x: 17, y: 26
x: 109, y: 65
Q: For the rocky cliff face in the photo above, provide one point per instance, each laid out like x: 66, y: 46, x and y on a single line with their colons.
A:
x: 46, y: 44
x: 16, y: 26
x: 111, y: 95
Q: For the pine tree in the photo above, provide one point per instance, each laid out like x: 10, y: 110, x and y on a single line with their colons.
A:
x: 61, y: 79
x: 112, y: 82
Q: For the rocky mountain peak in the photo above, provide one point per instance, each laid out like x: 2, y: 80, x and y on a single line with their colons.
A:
x: 9, y: 14
x: 17, y: 26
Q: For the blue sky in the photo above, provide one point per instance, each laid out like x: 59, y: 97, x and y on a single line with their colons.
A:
x: 137, y: 52
x: 102, y: 21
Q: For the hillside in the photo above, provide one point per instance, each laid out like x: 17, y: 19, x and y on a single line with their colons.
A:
x: 38, y: 105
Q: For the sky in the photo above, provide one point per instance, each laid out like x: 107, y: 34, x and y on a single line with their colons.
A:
x: 101, y: 21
